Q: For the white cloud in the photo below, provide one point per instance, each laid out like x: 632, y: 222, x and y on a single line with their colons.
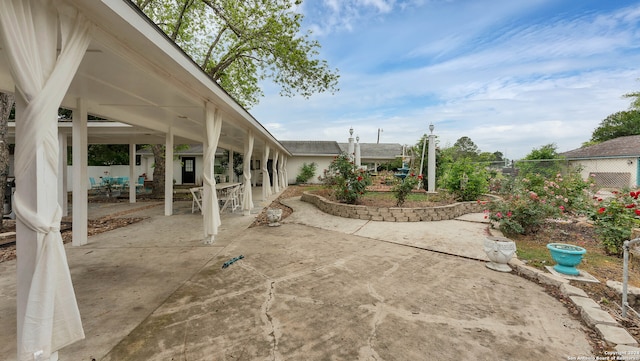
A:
x: 509, y: 82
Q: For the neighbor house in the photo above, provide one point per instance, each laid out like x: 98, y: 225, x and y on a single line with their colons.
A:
x: 613, y: 163
x: 323, y: 152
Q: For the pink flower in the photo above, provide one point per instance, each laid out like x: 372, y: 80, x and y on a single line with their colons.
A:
x: 509, y: 214
x: 498, y: 215
x: 562, y: 208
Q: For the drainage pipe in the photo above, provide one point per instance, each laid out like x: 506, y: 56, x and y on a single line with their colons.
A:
x: 625, y: 274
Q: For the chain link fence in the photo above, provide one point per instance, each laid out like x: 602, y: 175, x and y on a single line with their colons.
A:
x: 616, y: 173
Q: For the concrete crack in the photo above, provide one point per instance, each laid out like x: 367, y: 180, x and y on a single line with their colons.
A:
x: 368, y: 352
x: 272, y: 331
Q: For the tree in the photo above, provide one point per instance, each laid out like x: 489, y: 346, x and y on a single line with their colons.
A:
x: 543, y: 161
x: 617, y: 125
x: 239, y: 43
x: 6, y: 108
x: 465, y: 148
x: 107, y: 154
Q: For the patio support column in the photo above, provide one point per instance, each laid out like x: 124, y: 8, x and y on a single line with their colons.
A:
x: 210, y: 207
x: 281, y: 172
x: 230, y: 172
x: 286, y: 174
x: 168, y: 174
x: 44, y: 42
x: 266, y: 180
x: 247, y: 198
x: 80, y: 174
x: 62, y: 174
x: 133, y: 179
x: 274, y: 169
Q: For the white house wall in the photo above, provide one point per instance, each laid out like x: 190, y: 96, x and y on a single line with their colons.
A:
x: 613, y: 165
x: 294, y: 164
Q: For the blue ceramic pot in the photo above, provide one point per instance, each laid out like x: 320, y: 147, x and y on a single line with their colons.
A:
x: 567, y: 257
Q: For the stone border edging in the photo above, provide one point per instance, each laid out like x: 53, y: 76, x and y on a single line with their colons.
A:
x: 393, y: 214
x: 590, y: 311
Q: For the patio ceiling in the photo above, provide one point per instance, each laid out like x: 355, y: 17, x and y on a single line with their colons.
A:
x: 133, y: 74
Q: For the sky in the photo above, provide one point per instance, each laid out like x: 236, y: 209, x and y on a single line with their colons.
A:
x: 510, y: 75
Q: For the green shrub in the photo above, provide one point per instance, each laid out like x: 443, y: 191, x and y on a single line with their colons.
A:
x: 614, y: 219
x: 465, y: 180
x: 534, y: 199
x: 348, y: 182
x: 404, y: 188
x: 307, y: 171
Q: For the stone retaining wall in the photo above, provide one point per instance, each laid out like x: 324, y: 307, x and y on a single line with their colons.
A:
x: 393, y: 214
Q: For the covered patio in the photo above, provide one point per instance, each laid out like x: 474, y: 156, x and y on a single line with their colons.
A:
x: 107, y: 59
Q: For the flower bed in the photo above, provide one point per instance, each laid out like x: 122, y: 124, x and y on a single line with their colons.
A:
x: 393, y: 214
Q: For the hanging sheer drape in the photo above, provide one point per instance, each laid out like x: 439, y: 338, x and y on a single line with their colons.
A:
x: 210, y: 208
x: 29, y: 30
x: 247, y: 197
x: 286, y: 174
x: 281, y: 172
x: 276, y: 173
x: 266, y: 180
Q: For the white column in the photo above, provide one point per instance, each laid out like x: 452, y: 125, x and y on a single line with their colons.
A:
x: 133, y: 178
x: 247, y: 198
x: 431, y: 165
x: 351, y: 148
x: 275, y: 172
x: 80, y: 174
x: 266, y: 180
x: 62, y: 174
x: 230, y: 173
x: 357, y: 152
x: 168, y: 174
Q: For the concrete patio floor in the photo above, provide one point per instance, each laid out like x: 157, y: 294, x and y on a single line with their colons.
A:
x: 317, y: 288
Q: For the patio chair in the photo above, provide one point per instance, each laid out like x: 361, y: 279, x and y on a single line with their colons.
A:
x: 94, y: 185
x: 230, y: 198
x: 196, y: 192
x: 140, y: 184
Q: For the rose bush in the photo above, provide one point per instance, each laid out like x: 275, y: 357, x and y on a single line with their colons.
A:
x: 348, y: 182
x: 404, y: 187
x: 614, y: 218
x: 534, y: 199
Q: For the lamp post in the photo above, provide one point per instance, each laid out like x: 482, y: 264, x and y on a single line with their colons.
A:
x: 351, y: 149
x: 431, y: 163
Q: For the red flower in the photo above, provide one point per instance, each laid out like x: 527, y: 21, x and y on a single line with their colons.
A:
x: 359, y: 178
x: 599, y: 199
x: 420, y: 176
x: 630, y: 206
x: 562, y: 208
x: 601, y: 210
x: 509, y: 214
x: 637, y: 212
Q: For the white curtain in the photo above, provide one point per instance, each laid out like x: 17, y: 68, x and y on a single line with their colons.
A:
x: 276, y: 176
x: 286, y: 174
x: 266, y: 180
x: 29, y: 30
x: 247, y: 197
x: 210, y: 208
x: 281, y: 172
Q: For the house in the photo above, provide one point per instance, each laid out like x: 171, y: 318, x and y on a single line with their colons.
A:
x: 613, y: 163
x: 323, y: 152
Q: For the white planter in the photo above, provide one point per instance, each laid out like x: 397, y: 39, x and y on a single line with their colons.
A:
x: 499, y: 250
x: 273, y: 216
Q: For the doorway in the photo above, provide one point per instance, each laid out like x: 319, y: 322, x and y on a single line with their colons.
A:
x: 188, y: 170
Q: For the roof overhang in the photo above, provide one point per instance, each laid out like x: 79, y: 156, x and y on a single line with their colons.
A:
x: 134, y: 74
